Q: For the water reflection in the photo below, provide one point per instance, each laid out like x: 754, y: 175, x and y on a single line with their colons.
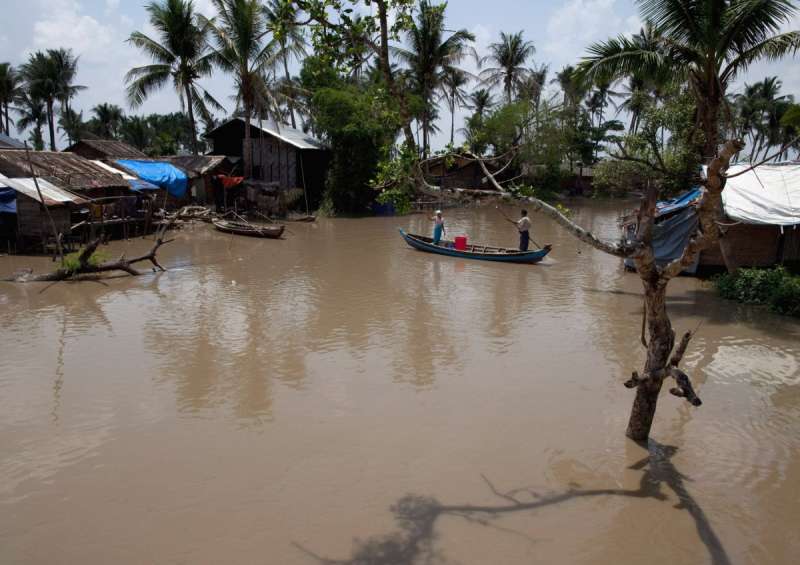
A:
x: 337, y: 369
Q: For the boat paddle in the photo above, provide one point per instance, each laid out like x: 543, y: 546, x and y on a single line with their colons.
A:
x: 515, y: 223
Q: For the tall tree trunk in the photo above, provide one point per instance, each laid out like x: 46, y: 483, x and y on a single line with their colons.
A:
x: 8, y: 128
x: 51, y: 125
x: 190, y: 109
x: 247, y: 154
x: 452, y: 118
x: 710, y: 120
x: 288, y: 85
x: 385, y: 65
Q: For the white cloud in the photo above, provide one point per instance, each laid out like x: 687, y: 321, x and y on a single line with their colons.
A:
x: 579, y: 23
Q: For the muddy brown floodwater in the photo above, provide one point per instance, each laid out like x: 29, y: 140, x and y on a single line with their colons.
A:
x: 267, y: 401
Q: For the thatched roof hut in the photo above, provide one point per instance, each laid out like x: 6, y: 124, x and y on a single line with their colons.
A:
x: 105, y: 149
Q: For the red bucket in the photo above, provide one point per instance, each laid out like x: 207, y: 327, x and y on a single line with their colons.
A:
x: 461, y: 242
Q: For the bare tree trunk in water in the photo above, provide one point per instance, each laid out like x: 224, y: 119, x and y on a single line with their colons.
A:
x: 657, y: 334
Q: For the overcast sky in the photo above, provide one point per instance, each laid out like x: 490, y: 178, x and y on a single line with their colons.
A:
x: 96, y: 31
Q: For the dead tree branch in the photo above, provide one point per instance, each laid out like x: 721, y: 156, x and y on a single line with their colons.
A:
x: 85, y: 267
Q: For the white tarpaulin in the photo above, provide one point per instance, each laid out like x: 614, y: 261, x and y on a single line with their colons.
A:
x: 769, y: 194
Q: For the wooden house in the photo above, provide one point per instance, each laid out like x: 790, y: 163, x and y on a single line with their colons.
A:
x: 32, y: 225
x: 282, y: 157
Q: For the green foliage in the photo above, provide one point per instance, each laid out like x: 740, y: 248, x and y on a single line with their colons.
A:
x: 394, y: 177
x: 613, y: 177
x: 355, y: 117
x: 777, y: 288
x: 71, y: 264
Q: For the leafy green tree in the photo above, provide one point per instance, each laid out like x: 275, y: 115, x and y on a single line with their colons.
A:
x: 32, y: 114
x: 706, y: 43
x: 453, y: 91
x: 43, y: 82
x: 10, y: 91
x: 72, y: 124
x: 429, y: 56
x: 180, y: 54
x: 509, y: 57
x: 136, y: 131
x: 287, y: 33
x: 109, y: 118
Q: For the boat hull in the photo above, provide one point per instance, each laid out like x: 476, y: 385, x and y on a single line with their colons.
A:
x: 250, y: 230
x: 496, y: 254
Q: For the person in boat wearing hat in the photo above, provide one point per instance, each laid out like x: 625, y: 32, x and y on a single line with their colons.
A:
x: 524, y: 228
x: 438, y: 227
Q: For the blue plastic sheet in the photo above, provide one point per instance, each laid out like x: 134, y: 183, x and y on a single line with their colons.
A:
x: 140, y: 185
x: 163, y: 175
x: 677, y: 203
x: 8, y: 200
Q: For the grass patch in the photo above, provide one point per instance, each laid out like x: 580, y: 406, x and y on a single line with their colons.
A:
x: 71, y: 264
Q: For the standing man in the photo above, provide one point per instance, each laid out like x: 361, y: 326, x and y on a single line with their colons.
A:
x: 438, y: 227
x: 524, y: 228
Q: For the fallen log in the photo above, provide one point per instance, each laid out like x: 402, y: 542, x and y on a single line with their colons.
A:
x: 86, y: 267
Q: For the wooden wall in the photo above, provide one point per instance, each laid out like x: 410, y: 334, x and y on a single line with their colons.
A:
x: 32, y: 221
x: 275, y: 161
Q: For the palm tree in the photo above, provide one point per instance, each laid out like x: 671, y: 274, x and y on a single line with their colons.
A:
x: 706, y: 43
x: 43, y: 82
x: 480, y: 101
x: 33, y: 114
x: 66, y: 66
x: 72, y: 124
x: 532, y: 85
x: 10, y: 83
x: 239, y: 32
x: 428, y: 55
x: 509, y: 56
x: 136, y: 131
x: 288, y: 35
x: 109, y: 117
x: 452, y: 87
x: 180, y: 54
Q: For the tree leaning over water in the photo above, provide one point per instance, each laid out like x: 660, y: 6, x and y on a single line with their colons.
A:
x: 708, y: 43
x: 181, y: 54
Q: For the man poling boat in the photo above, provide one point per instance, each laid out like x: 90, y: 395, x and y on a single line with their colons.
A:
x: 523, y: 225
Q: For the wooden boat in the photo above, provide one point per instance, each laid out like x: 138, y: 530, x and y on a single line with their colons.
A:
x: 473, y: 251
x: 252, y: 230
x: 301, y: 219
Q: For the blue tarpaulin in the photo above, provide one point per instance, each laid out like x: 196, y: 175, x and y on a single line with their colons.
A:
x: 8, y: 200
x: 670, y: 235
x: 139, y: 185
x: 163, y: 175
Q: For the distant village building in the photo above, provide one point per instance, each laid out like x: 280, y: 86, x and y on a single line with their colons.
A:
x: 458, y: 172
x: 105, y: 150
x: 283, y: 157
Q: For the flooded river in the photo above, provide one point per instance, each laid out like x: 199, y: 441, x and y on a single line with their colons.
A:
x: 283, y: 402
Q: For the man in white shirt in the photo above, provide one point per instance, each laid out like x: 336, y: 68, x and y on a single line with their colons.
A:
x: 524, y: 227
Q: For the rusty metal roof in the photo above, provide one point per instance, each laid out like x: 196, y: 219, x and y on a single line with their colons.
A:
x: 109, y: 148
x: 70, y: 169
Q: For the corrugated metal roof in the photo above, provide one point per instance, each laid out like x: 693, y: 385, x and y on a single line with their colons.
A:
x: 111, y: 148
x: 53, y: 195
x: 70, y: 169
x: 7, y: 142
x: 195, y: 164
x: 111, y: 169
x: 290, y: 135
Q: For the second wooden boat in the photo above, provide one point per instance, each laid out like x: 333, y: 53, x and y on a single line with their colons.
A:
x: 248, y: 229
x: 483, y: 252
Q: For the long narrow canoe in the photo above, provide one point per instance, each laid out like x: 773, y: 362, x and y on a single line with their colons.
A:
x: 483, y: 252
x: 252, y: 230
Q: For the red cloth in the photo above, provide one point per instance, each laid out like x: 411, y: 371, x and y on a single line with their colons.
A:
x: 230, y: 182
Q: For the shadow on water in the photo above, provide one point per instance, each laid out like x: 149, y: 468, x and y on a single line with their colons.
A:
x: 413, y: 540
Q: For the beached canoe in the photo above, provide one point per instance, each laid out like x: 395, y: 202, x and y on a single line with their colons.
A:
x: 483, y: 252
x: 252, y: 230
